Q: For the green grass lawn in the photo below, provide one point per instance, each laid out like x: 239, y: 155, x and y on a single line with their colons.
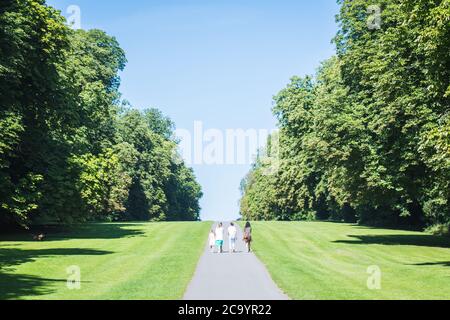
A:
x: 117, y: 261
x: 319, y: 260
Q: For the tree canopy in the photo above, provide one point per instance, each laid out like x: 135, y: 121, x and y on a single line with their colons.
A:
x: 367, y: 137
x: 69, y: 150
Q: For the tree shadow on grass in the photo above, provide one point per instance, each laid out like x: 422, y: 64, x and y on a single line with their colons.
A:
x: 20, y: 286
x: 13, y: 257
x: 441, y: 263
x: 85, y: 231
x: 16, y: 286
x: 400, y: 239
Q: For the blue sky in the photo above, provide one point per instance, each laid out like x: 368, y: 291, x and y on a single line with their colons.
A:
x: 215, y: 61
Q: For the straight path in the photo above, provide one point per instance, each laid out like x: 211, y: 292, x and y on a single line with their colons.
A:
x: 232, y: 276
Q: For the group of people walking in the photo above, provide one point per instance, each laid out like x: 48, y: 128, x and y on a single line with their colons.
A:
x: 216, y: 237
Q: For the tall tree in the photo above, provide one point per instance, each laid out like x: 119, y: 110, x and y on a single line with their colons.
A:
x: 367, y: 137
x: 67, y: 151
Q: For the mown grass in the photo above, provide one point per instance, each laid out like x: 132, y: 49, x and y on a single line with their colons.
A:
x: 117, y: 261
x: 320, y: 260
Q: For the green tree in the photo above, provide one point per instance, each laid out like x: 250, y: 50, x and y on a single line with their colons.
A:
x: 367, y: 136
x: 33, y: 38
x: 67, y: 151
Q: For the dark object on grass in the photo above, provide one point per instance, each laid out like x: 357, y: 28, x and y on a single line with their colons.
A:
x: 39, y: 237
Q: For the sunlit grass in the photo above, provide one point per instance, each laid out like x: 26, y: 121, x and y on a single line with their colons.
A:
x: 319, y: 260
x: 117, y: 261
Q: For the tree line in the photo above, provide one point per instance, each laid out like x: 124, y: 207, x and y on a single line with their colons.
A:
x: 367, y: 138
x: 70, y: 149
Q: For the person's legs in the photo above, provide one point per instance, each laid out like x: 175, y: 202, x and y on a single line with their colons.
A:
x: 232, y: 244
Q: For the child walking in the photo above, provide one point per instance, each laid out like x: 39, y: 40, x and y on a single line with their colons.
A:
x: 212, y: 240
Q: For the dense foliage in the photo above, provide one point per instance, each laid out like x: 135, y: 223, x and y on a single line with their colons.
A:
x: 69, y: 150
x: 368, y: 137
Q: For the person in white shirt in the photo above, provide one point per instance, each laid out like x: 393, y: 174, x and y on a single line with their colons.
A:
x: 232, y: 237
x: 219, y: 237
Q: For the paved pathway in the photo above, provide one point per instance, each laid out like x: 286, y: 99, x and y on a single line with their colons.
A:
x: 232, y: 276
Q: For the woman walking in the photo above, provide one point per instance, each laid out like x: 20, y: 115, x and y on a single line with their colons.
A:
x: 248, y: 236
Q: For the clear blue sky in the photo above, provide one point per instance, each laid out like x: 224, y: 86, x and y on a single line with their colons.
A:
x: 216, y: 61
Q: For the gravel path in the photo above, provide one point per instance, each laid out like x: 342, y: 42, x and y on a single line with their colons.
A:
x: 232, y: 276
